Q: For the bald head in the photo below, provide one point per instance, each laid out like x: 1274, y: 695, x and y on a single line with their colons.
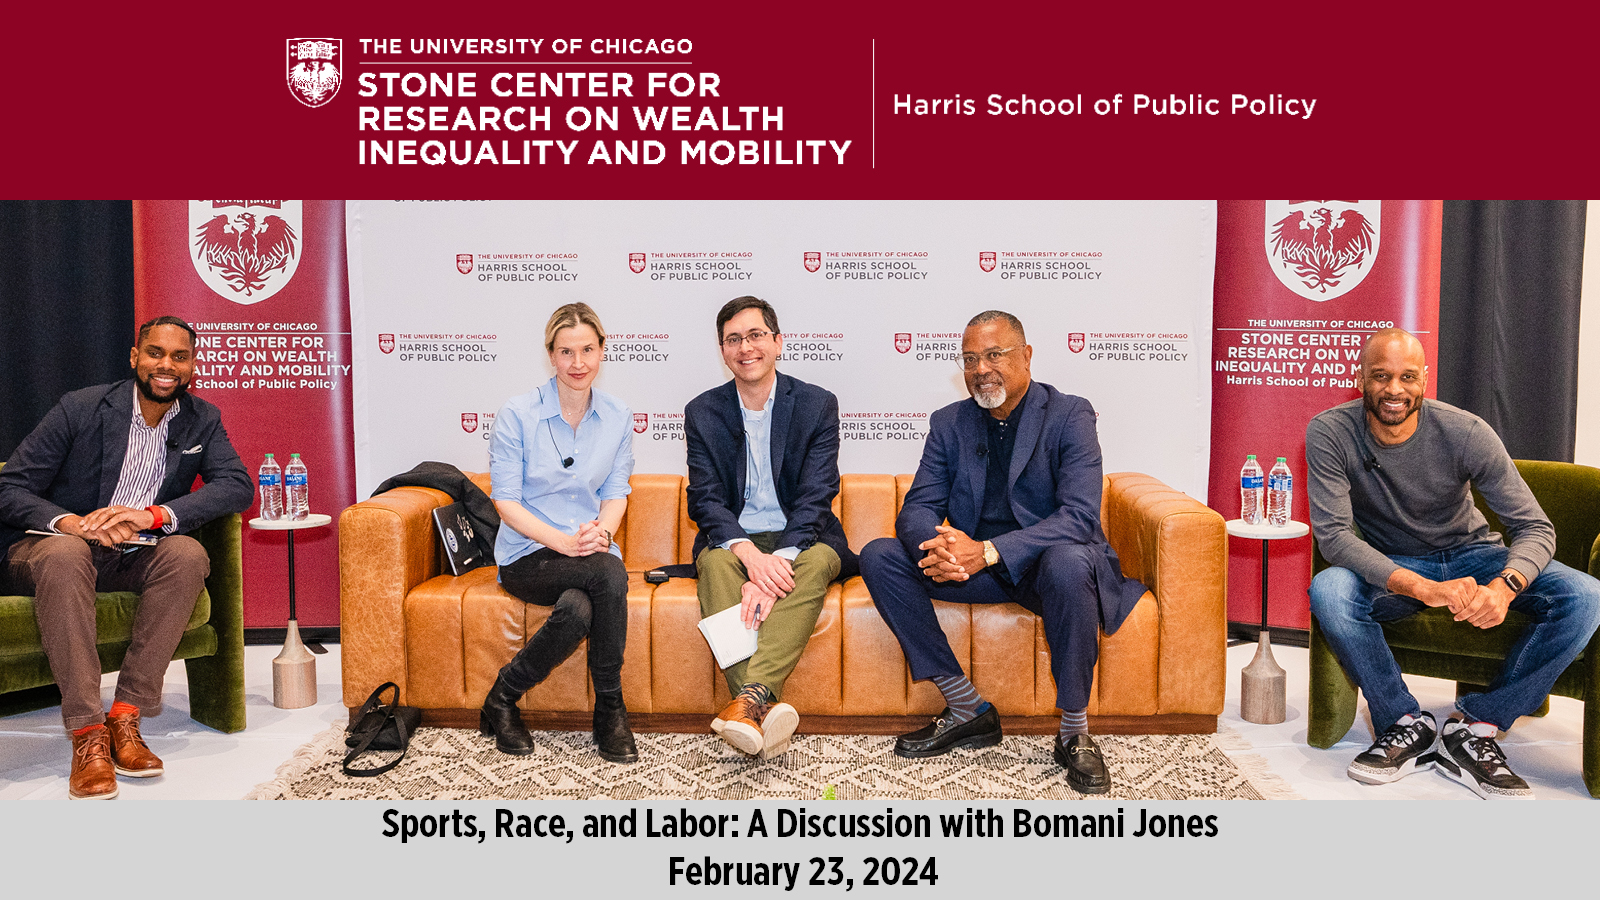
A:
x: 1398, y: 338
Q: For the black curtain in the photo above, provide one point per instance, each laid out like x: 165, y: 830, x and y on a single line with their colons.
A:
x: 66, y: 304
x: 1510, y: 280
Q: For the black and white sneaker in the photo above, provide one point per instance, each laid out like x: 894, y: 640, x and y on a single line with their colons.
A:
x: 1398, y: 752
x: 1470, y: 755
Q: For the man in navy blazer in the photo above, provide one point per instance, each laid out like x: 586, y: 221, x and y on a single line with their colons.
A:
x: 763, y: 471
x: 108, y: 464
x: 1016, y: 471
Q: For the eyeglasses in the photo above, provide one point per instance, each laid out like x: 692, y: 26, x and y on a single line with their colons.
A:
x: 756, y: 339
x: 969, y: 361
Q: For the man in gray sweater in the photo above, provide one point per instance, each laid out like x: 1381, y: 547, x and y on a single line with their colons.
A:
x: 1400, y: 469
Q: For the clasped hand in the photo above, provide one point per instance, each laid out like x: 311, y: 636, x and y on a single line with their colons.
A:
x: 107, y: 527
x: 590, y: 539
x: 952, y: 556
x: 1481, y: 605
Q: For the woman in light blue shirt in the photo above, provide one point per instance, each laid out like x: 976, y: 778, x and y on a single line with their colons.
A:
x: 560, y: 457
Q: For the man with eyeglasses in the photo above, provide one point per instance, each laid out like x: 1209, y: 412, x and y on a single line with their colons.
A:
x: 763, y: 471
x: 1015, y: 474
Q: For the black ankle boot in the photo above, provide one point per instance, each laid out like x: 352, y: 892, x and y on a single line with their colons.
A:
x: 501, y: 718
x: 612, y: 737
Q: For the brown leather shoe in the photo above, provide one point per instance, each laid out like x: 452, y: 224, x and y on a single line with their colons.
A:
x: 741, y: 724
x: 93, y: 777
x: 129, y: 753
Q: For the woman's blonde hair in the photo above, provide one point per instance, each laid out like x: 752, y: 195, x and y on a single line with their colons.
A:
x: 571, y: 316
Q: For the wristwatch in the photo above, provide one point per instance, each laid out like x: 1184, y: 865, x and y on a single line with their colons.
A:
x: 1513, y: 580
x: 991, y: 556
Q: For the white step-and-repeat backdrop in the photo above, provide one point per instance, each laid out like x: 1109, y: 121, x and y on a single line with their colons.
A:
x: 449, y: 300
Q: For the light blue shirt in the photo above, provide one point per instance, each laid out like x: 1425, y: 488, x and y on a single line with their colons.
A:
x: 762, y: 512
x: 530, y: 440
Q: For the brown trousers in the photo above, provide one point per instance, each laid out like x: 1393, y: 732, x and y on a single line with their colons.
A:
x: 63, y: 573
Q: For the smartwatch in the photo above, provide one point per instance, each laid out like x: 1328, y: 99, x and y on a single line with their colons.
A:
x: 1513, y: 580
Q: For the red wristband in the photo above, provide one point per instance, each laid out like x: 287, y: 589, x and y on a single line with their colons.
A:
x: 156, y: 511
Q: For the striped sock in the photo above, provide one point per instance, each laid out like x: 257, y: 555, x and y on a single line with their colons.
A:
x: 1074, y: 721
x: 963, y: 699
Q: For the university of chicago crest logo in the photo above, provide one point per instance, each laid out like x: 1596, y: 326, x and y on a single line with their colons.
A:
x: 245, y: 250
x: 641, y: 421
x: 469, y: 422
x: 386, y: 343
x: 813, y: 261
x: 464, y: 263
x: 902, y: 342
x: 314, y: 69
x: 1322, y: 249
x: 986, y: 260
x: 1075, y: 342
x: 636, y: 262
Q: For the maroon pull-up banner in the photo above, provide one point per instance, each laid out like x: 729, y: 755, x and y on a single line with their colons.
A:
x: 1300, y: 286
x: 263, y: 283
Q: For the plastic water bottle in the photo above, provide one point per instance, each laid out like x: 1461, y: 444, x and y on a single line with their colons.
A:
x: 1251, y: 508
x: 296, y: 489
x: 270, y: 478
x: 1280, y: 493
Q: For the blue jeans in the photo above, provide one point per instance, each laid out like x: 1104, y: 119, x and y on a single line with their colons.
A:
x: 1563, y: 605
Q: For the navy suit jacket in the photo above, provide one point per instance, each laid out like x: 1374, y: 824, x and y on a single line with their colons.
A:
x: 1055, y: 482
x: 70, y: 463
x: 805, y: 466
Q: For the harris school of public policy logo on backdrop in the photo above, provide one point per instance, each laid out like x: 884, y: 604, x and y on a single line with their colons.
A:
x: 1322, y: 249
x: 314, y: 69
x: 245, y: 250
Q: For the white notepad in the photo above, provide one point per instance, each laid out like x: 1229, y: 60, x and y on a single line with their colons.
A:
x: 730, y: 641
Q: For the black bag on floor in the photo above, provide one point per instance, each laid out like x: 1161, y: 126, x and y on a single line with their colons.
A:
x: 380, y: 726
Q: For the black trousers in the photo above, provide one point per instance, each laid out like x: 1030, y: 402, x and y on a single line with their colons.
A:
x: 590, y: 596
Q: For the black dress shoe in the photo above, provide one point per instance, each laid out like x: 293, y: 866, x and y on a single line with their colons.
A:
x: 612, y: 736
x: 1086, y: 768
x: 940, y: 736
x: 501, y: 718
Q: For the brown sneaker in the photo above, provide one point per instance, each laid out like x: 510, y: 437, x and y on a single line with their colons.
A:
x: 129, y: 753
x: 93, y: 777
x: 741, y: 724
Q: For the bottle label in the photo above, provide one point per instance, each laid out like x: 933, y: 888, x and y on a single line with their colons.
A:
x: 1281, y: 482
x: 1250, y: 482
x: 296, y: 480
x: 269, y: 480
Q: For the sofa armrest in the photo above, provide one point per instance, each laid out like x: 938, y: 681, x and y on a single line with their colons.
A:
x: 1178, y: 547
x: 386, y: 548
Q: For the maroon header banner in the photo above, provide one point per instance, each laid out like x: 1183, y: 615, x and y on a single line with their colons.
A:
x: 830, y: 100
x: 1300, y: 285
x: 263, y: 283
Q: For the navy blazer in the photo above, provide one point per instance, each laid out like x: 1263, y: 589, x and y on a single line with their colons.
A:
x: 71, y: 461
x: 805, y: 466
x: 1055, y: 482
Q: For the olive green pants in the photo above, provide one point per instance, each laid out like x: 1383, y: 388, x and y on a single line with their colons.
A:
x: 787, y: 628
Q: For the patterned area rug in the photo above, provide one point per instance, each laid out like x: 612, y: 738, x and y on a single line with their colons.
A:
x: 458, y: 764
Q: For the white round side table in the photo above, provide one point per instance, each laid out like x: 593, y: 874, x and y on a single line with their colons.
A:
x: 294, y: 671
x: 1262, y: 693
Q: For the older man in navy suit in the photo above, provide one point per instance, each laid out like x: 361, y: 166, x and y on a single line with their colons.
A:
x: 108, y: 464
x: 1016, y: 471
x: 763, y: 471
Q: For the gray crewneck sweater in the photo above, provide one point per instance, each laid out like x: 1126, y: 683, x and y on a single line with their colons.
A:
x: 1416, y: 500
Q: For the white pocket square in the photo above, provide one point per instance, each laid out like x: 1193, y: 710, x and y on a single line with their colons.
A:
x: 194, y: 449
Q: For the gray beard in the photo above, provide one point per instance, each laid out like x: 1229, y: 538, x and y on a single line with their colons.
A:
x: 991, y: 400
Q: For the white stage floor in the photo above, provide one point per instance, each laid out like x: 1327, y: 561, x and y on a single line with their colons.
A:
x: 201, y: 764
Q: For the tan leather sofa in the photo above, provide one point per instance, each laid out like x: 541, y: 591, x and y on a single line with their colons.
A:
x: 442, y: 638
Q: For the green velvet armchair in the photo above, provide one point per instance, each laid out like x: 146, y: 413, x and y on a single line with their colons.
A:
x: 1432, y: 643
x: 212, y: 646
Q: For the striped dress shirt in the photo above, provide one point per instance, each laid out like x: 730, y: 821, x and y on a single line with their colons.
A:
x: 144, y: 466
